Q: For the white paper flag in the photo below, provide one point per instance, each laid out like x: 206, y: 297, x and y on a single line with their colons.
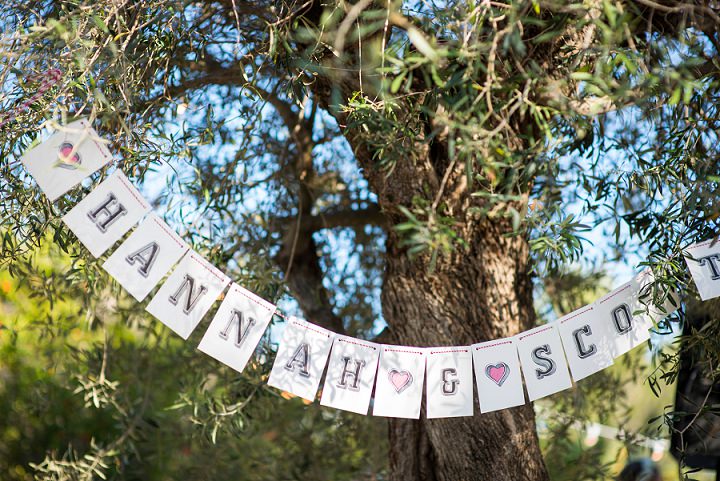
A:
x: 543, y: 361
x: 588, y: 342
x: 106, y: 213
x: 237, y: 328
x: 449, y: 382
x: 66, y: 158
x: 625, y: 311
x: 399, y: 384
x: 145, y: 257
x: 188, y: 294
x: 350, y: 375
x: 497, y: 374
x: 703, y: 260
x: 301, y: 358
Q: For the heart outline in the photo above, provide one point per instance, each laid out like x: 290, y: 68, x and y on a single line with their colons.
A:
x: 499, y: 380
x: 392, y: 373
x: 64, y: 162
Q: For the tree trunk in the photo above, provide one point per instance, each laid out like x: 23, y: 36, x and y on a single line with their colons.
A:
x: 475, y: 295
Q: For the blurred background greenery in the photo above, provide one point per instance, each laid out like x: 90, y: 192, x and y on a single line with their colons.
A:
x: 80, y: 386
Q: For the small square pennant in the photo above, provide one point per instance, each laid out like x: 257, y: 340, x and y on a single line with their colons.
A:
x: 301, y: 358
x: 237, y: 328
x: 449, y: 382
x: 66, y: 158
x: 588, y: 342
x: 106, y: 213
x: 188, y: 294
x: 543, y: 361
x: 350, y: 375
x: 399, y: 384
x: 145, y: 257
x: 629, y: 314
x: 497, y: 374
x: 703, y: 261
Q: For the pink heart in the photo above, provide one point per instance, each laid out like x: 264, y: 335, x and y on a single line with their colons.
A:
x: 400, y: 380
x: 497, y: 372
x: 66, y: 161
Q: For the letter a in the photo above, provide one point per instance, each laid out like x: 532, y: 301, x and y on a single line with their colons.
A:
x: 145, y: 256
x: 301, y: 358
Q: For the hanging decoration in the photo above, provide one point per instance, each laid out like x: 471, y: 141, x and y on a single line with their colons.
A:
x: 361, y: 376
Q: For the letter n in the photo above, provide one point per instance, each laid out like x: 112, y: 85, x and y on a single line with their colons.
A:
x: 192, y: 297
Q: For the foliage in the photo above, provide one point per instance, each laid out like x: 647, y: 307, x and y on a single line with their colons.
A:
x: 562, y: 117
x: 113, y: 399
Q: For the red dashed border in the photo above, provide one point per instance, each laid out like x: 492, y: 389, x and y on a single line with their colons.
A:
x: 358, y: 344
x: 448, y: 351
x: 101, y: 147
x: 402, y: 350
x: 615, y: 294
x: 203, y: 263
x: 131, y: 188
x: 242, y: 293
x: 705, y: 243
x: 576, y: 315
x: 310, y: 328
x: 169, y: 232
x: 546, y: 328
x: 493, y: 345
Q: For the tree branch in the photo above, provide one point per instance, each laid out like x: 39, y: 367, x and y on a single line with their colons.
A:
x: 371, y: 215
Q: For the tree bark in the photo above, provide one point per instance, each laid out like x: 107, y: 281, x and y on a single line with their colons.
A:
x: 475, y: 295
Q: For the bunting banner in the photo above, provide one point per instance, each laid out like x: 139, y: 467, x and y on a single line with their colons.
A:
x: 357, y: 375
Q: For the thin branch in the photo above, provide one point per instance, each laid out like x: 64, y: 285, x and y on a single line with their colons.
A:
x: 355, y: 218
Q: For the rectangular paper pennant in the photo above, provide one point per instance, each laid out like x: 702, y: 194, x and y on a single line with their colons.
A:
x: 106, y: 213
x: 237, y: 327
x: 625, y: 311
x: 301, y: 358
x: 350, y: 375
x: 543, y: 361
x: 588, y: 342
x: 145, y: 257
x: 449, y: 382
x: 399, y: 384
x: 188, y: 294
x: 497, y: 374
x: 703, y: 261
x: 66, y: 158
